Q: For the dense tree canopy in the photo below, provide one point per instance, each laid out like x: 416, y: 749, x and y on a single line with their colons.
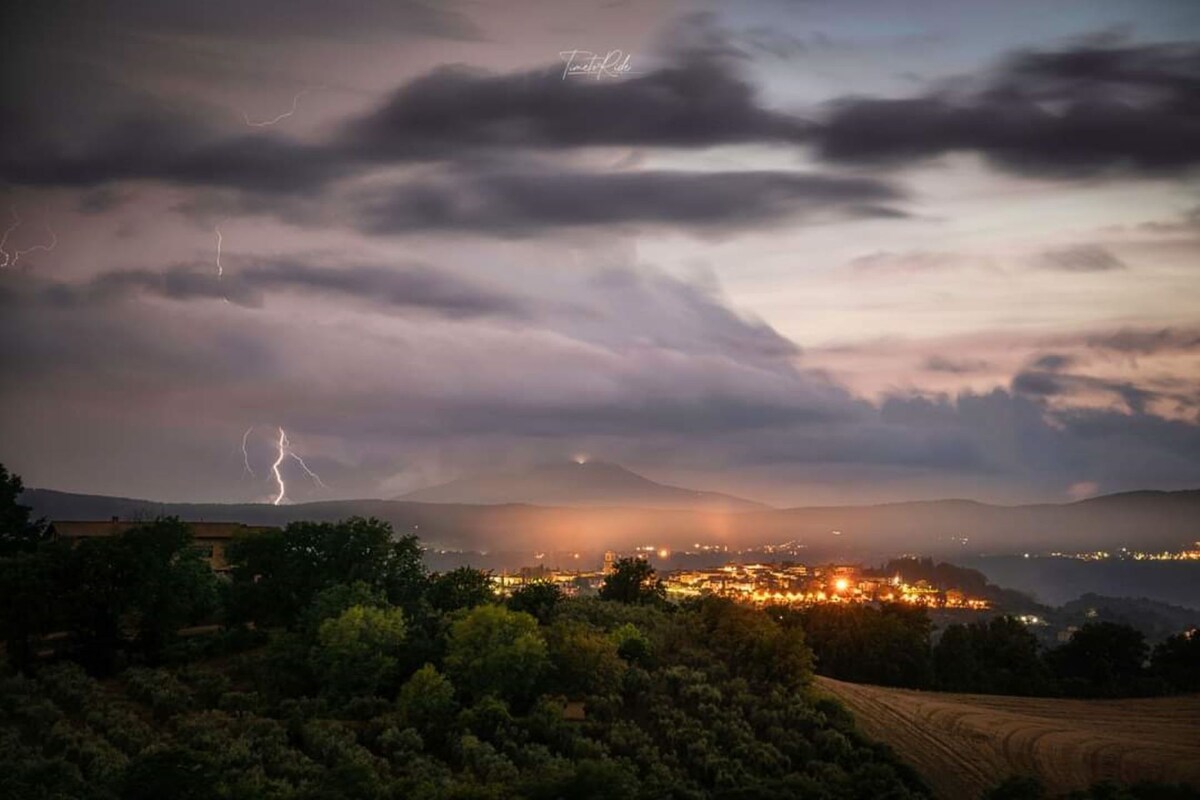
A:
x: 130, y: 592
x: 633, y: 580
x: 18, y: 531
x: 364, y: 677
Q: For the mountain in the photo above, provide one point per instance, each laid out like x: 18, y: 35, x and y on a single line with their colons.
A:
x: 577, y: 484
x: 1150, y: 521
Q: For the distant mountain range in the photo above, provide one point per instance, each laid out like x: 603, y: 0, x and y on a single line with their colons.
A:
x: 945, y: 528
x: 577, y: 484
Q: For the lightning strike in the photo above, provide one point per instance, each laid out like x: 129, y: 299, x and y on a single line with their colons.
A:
x: 220, y: 239
x: 283, y: 443
x: 316, y: 478
x: 285, y: 451
x: 245, y: 455
x: 266, y: 123
x: 10, y: 259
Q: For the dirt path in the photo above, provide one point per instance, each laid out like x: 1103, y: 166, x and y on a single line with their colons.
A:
x: 963, y: 744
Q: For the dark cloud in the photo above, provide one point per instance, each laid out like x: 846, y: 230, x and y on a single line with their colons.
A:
x: 231, y: 19
x: 905, y: 263
x: 1090, y: 110
x: 1053, y: 383
x: 1133, y: 341
x: 516, y: 204
x: 172, y: 149
x: 954, y: 366
x: 1052, y: 362
x: 450, y: 113
x: 1016, y: 435
x: 699, y: 102
x: 1082, y: 258
x: 413, y: 288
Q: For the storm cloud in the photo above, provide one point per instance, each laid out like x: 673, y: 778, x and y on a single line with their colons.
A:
x: 1080, y: 112
x: 515, y: 203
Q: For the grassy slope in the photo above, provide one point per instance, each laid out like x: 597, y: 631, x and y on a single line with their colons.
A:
x: 962, y: 744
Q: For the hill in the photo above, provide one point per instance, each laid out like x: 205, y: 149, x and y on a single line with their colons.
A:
x: 572, y: 483
x: 936, y: 528
x: 964, y: 744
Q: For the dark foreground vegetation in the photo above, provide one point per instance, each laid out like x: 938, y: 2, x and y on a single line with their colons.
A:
x: 891, y: 646
x: 331, y: 664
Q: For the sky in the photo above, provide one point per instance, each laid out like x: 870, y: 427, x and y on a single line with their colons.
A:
x: 808, y: 252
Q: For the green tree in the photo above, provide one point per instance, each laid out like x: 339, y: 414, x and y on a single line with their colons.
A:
x: 464, y: 587
x: 1177, y: 661
x: 277, y: 574
x: 1101, y: 659
x: 426, y: 702
x: 755, y: 646
x: 493, y: 650
x: 997, y: 656
x: 145, y: 583
x: 633, y: 580
x: 357, y: 652
x: 540, y: 598
x: 632, y: 644
x: 36, y: 587
x: 333, y: 600
x: 17, y: 531
x: 585, y: 660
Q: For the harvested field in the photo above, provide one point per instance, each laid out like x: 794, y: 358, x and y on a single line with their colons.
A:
x: 963, y: 744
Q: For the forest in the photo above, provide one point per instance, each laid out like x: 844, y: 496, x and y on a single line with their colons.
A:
x: 330, y: 663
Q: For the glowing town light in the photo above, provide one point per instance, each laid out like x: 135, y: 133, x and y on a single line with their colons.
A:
x: 841, y: 584
x: 663, y: 552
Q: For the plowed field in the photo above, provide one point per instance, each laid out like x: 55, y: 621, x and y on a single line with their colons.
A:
x: 963, y: 744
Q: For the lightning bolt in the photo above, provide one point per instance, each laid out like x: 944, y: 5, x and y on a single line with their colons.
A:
x: 266, y: 123
x: 220, y: 239
x: 245, y: 455
x: 285, y: 451
x: 316, y: 478
x: 283, y: 444
x: 10, y: 259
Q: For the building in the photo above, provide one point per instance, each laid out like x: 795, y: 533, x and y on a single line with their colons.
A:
x: 211, y: 538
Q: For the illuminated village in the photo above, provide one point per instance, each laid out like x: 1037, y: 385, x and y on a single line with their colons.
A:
x: 1187, y: 554
x: 784, y: 583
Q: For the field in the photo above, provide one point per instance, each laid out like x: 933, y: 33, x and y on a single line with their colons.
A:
x: 963, y: 744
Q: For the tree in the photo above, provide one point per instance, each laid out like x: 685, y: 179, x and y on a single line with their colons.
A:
x: 540, y: 598
x: 35, y: 588
x: 1101, y: 659
x: 464, y: 587
x: 357, y: 651
x: 585, y: 660
x: 633, y: 580
x: 332, y: 601
x: 632, y: 644
x: 277, y: 574
x: 496, y: 651
x: 426, y: 702
x: 148, y: 581
x: 17, y: 531
x: 998, y: 656
x: 888, y: 646
x: 755, y: 646
x: 1177, y: 661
